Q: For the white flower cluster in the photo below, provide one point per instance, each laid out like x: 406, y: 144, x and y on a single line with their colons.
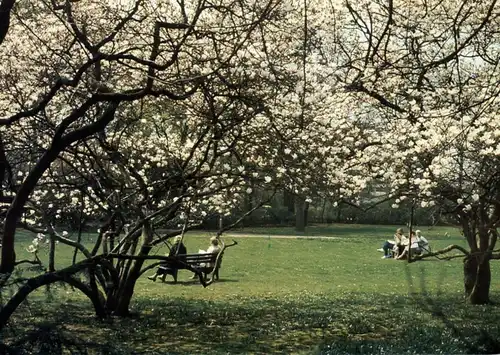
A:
x: 35, y: 243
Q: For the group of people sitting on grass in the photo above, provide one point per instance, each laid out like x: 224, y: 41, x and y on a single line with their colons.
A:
x: 178, y: 248
x: 401, y: 246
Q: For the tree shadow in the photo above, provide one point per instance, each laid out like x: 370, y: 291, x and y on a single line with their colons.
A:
x: 484, y: 342
x: 196, y: 282
x: 346, y: 324
x: 51, y: 338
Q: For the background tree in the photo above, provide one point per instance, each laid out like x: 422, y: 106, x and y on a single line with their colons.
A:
x: 428, y: 74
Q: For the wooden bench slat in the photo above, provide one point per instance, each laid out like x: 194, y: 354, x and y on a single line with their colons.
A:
x: 192, y: 260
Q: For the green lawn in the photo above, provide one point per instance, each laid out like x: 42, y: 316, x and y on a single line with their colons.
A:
x: 280, y: 295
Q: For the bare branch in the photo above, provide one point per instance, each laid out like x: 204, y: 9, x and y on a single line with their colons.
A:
x: 238, y: 221
x: 31, y: 262
x: 441, y: 252
x: 70, y: 242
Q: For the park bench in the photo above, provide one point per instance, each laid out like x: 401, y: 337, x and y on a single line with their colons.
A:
x: 202, y: 264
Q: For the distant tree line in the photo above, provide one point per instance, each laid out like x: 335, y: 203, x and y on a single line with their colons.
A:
x: 282, y: 211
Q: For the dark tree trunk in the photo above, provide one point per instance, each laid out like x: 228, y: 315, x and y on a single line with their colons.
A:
x: 289, y: 201
x: 300, y: 215
x: 81, y: 222
x: 323, y: 210
x: 5, y: 10
x: 52, y: 254
x: 477, y: 279
x: 306, y: 214
x: 470, y: 269
x: 5, y: 170
x: 126, y: 290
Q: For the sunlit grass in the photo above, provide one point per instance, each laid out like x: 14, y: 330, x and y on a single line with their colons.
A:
x: 293, y: 295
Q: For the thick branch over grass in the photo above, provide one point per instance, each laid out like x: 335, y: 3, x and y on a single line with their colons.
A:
x: 442, y: 252
x: 31, y: 262
x: 65, y: 275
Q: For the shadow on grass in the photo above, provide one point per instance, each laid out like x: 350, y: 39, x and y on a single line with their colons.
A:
x: 51, y: 338
x: 348, y: 323
x: 193, y: 282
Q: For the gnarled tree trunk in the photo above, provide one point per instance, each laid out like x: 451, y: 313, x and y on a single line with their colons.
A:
x: 477, y: 279
x: 127, y: 286
x: 119, y: 303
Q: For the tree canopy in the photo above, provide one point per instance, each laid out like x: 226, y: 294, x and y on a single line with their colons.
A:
x: 143, y: 116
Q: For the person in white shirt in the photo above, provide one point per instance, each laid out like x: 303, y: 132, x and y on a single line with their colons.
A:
x: 422, y: 242
x: 213, y: 248
x: 417, y: 243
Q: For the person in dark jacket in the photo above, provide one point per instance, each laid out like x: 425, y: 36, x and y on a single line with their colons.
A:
x: 168, y: 268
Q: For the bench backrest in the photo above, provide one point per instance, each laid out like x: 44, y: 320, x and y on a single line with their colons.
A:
x: 196, y: 258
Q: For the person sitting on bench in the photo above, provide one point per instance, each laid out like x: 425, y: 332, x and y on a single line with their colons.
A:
x: 423, y: 243
x: 213, y: 248
x: 417, y: 244
x: 396, y: 244
x: 166, y: 268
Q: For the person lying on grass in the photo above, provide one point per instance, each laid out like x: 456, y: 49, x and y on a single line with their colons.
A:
x: 166, y: 268
x: 396, y: 244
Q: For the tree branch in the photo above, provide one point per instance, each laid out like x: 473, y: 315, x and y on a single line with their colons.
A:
x: 441, y: 252
x: 5, y: 11
x: 238, y: 221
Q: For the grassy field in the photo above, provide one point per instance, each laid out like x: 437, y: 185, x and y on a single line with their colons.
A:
x: 299, y: 295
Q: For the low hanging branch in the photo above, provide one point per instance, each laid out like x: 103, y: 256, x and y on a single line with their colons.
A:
x: 64, y: 275
x: 37, y: 261
x: 442, y: 252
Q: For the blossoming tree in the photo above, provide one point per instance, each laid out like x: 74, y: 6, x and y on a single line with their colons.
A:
x: 428, y: 70
x: 84, y: 130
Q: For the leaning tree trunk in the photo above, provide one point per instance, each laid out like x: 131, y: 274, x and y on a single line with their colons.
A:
x: 477, y: 279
